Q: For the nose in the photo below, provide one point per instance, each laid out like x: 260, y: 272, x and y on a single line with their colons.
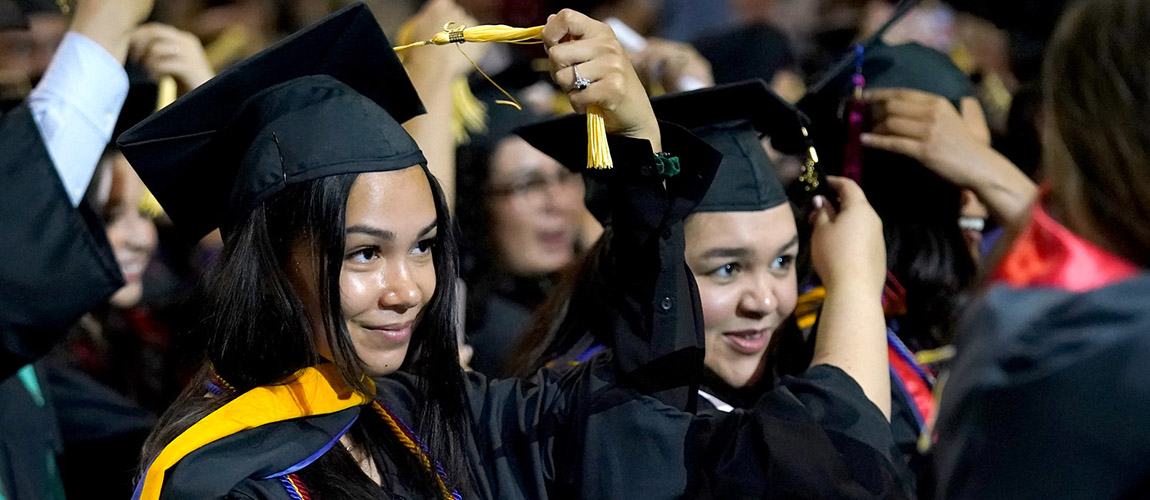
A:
x: 400, y: 291
x: 760, y: 298
x: 141, y: 233
x: 566, y: 192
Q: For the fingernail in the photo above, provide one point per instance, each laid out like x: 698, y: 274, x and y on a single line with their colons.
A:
x: 865, y: 138
x: 819, y: 201
x: 552, y: 16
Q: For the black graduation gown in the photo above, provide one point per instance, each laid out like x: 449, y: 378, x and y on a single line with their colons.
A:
x: 815, y: 435
x: 57, y: 265
x: 1049, y: 396
x: 614, y: 427
x: 506, y: 315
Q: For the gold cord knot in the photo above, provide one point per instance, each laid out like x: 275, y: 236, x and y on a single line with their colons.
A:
x: 454, y: 32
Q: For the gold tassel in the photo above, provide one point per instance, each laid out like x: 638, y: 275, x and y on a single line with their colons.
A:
x: 598, y: 154
x: 227, y: 47
x: 469, y: 114
x: 490, y: 33
x: 166, y: 93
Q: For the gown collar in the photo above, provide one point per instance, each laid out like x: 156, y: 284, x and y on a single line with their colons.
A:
x: 1047, y: 254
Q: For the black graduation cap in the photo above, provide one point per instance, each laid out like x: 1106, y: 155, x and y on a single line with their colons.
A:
x: 325, y: 101
x: 143, y: 95
x: 732, y: 118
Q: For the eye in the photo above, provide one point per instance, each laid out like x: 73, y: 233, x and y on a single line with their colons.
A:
x: 424, y: 247
x: 783, y: 262
x: 728, y: 270
x: 363, y: 255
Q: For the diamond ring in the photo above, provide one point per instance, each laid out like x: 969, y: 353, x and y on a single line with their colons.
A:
x: 580, y: 82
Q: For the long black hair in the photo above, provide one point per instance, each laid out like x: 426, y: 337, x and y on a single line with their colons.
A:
x: 255, y: 330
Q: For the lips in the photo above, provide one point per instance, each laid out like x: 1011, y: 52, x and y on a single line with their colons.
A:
x: 748, y: 341
x: 132, y: 270
x: 393, y: 332
x: 555, y: 240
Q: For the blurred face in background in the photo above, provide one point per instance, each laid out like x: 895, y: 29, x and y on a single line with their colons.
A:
x: 25, y: 55
x: 131, y: 232
x: 744, y: 265
x: 534, y: 205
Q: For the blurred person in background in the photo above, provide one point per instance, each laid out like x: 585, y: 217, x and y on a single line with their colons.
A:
x: 522, y: 219
x: 26, y: 53
x: 1048, y: 395
x: 62, y: 267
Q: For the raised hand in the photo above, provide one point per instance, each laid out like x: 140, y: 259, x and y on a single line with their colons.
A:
x: 167, y: 51
x: 577, y: 42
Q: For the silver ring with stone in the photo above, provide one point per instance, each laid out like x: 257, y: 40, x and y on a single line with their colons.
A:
x: 580, y: 82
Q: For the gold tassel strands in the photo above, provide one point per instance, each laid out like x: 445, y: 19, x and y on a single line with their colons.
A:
x: 598, y: 153
x: 468, y: 113
x: 453, y: 33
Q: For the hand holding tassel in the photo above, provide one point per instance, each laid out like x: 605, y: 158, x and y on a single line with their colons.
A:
x: 577, y: 43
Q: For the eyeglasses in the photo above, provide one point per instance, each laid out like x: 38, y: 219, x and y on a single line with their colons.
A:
x: 535, y: 187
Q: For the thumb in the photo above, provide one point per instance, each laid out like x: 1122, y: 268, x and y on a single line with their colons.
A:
x: 823, y: 213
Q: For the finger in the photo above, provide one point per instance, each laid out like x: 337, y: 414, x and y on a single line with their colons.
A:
x: 894, y: 144
x: 975, y: 119
x: 823, y: 213
x: 603, y: 94
x: 593, y: 70
x: 849, y: 191
x: 571, y: 25
x: 913, y: 109
x: 575, y: 52
x: 897, y: 94
x: 905, y: 127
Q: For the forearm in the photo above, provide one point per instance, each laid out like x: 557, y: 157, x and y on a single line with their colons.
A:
x: 1006, y: 190
x: 852, y: 337
x: 107, y: 24
x: 432, y: 131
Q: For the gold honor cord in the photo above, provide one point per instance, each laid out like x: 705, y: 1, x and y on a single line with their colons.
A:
x: 598, y: 154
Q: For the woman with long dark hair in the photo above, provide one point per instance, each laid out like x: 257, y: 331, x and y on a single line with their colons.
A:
x: 1048, y: 395
x: 331, y: 366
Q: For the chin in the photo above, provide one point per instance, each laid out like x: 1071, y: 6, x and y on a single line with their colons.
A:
x: 379, y: 364
x: 127, y: 296
x: 739, y: 374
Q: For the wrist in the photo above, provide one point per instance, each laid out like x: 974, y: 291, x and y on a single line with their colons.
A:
x: 111, y: 32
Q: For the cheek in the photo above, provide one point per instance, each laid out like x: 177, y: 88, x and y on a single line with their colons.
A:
x: 356, y: 292
x: 117, y: 235
x: 787, y: 293
x: 719, y: 304
x: 425, y: 279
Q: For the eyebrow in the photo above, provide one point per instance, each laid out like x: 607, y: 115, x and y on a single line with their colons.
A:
x: 385, y: 234
x: 794, y: 242
x: 730, y: 253
x: 740, y: 252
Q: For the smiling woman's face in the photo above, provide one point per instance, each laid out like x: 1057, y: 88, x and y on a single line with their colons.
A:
x: 743, y: 263
x: 388, y: 274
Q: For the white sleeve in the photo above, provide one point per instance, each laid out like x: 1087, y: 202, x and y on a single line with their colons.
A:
x: 75, y: 106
